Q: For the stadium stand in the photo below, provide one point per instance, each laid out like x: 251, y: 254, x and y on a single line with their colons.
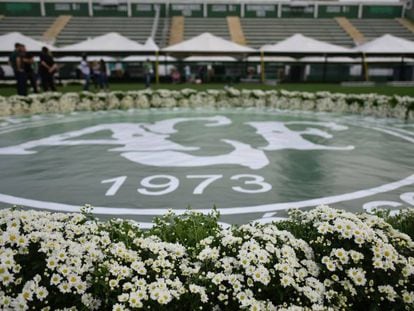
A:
x: 373, y: 28
x: 247, y: 22
x: 82, y: 28
x: 269, y: 31
x: 34, y: 27
x: 197, y: 25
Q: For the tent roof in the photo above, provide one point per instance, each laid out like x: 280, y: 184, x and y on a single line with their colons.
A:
x: 387, y: 44
x: 150, y: 45
x: 8, y: 40
x: 110, y: 42
x: 313, y: 59
x: 210, y: 59
x: 77, y: 59
x: 275, y: 59
x: 152, y: 58
x: 208, y: 43
x: 299, y: 43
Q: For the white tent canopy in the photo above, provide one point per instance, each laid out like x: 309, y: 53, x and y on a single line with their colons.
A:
x: 8, y: 40
x: 334, y: 59
x: 150, y: 45
x: 151, y: 58
x: 77, y: 59
x: 110, y: 42
x: 208, y: 43
x: 218, y: 59
x: 298, y: 43
x: 388, y: 59
x: 387, y: 44
x: 273, y: 59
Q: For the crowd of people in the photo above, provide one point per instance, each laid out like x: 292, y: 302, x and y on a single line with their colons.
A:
x: 24, y: 68
x: 28, y: 72
x: 95, y: 72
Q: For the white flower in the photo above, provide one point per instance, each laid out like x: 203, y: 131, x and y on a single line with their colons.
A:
x: 118, y: 307
x: 357, y: 275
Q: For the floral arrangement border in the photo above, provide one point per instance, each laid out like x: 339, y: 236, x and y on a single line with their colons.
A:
x: 401, y: 107
x: 323, y: 259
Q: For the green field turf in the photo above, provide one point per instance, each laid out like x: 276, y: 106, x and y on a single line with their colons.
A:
x: 307, y: 87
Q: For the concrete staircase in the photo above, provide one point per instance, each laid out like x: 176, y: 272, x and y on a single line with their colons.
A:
x: 217, y: 26
x: 55, y: 29
x: 406, y: 23
x: 176, y: 30
x: 236, y: 30
x: 351, y: 30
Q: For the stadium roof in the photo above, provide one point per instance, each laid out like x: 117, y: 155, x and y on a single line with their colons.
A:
x: 7, y: 42
x: 208, y: 43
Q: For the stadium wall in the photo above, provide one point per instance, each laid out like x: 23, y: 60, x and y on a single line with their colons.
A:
x: 212, y: 8
x: 409, y: 12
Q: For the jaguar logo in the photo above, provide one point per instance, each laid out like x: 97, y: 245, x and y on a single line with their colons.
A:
x: 151, y: 144
x: 140, y: 164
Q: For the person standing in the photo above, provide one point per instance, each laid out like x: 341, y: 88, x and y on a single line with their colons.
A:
x: 148, y: 73
x: 28, y: 61
x: 187, y: 73
x: 95, y: 74
x: 47, y: 70
x: 86, y: 72
x: 104, y: 75
x: 16, y: 61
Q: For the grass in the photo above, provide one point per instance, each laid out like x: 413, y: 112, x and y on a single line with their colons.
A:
x: 306, y: 87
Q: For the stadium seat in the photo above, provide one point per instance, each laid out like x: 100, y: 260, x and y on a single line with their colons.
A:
x: 259, y: 31
x: 197, y: 25
x: 82, y: 28
x: 33, y: 27
x: 373, y: 28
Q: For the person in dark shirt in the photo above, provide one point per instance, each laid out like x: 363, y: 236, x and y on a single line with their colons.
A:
x: 16, y: 61
x: 103, y: 83
x: 28, y: 61
x: 47, y: 69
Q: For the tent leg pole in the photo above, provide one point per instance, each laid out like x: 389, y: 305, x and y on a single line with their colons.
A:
x: 402, y: 69
x: 262, y: 67
x: 157, y: 76
x: 365, y: 67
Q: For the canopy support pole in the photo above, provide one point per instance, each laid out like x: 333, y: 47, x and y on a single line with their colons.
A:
x: 157, y: 76
x: 402, y: 71
x: 365, y: 67
x: 262, y: 66
x: 325, y: 61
